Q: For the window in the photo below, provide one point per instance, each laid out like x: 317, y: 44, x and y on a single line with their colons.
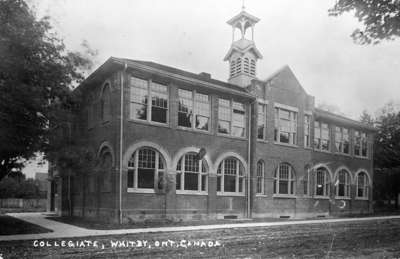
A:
x: 360, y: 144
x: 362, y: 185
x: 285, y: 126
x: 322, y: 186
x: 284, y: 180
x: 307, y: 130
x: 191, y: 173
x: 230, y: 176
x: 343, y: 184
x: 321, y: 136
x: 105, y: 103
x: 200, y: 113
x: 260, y: 177
x: 106, y: 167
x: 261, y: 121
x: 231, y: 118
x: 342, y: 142
x: 306, y: 181
x: 141, y: 108
x: 146, y: 169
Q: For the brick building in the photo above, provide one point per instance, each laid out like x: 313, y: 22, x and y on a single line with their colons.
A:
x: 180, y: 145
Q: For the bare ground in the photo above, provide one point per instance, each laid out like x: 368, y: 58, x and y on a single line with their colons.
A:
x: 367, y: 239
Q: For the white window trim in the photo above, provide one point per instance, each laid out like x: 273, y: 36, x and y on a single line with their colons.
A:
x: 309, y: 130
x: 361, y: 145
x: 262, y: 178
x: 193, y: 121
x: 286, y: 107
x: 264, y: 105
x: 135, y: 187
x: 230, y: 134
x: 199, y: 175
x: 320, y: 137
x: 347, y: 184
x: 326, y: 183
x: 149, y: 104
x: 237, y: 181
x: 365, y: 198
x: 291, y: 136
x: 292, y: 178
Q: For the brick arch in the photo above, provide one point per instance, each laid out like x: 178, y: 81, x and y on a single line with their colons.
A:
x: 131, y: 149
x: 185, y: 150
x: 107, y: 145
x: 230, y: 154
x: 343, y: 168
x: 366, y: 172
x: 323, y: 165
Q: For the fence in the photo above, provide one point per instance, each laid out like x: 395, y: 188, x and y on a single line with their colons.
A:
x: 37, y: 204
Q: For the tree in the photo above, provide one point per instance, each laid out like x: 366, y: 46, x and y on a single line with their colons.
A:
x: 381, y: 18
x: 366, y: 118
x: 36, y: 78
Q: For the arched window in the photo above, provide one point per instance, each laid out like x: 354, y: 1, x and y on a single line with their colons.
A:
x: 322, y: 182
x: 246, y: 66
x: 307, y: 180
x: 284, y: 179
x: 106, y: 167
x: 146, y: 169
x: 342, y: 184
x: 191, y: 173
x: 362, y: 185
x: 260, y: 177
x: 233, y: 67
x: 230, y: 176
x: 253, y: 67
x: 105, y: 103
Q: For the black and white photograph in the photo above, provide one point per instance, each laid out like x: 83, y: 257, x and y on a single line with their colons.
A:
x: 200, y: 129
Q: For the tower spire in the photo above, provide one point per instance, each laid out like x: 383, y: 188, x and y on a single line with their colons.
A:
x: 243, y: 54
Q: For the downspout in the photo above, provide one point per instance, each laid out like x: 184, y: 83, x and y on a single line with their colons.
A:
x: 249, y: 164
x: 121, y: 135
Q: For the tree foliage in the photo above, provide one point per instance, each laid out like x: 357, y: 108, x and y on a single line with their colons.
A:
x: 36, y: 77
x: 380, y: 18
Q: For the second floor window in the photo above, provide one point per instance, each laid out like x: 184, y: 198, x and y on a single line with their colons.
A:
x: 231, y: 118
x: 360, y: 144
x: 194, y: 110
x: 285, y: 126
x: 149, y: 101
x: 321, y: 136
x: 342, y: 142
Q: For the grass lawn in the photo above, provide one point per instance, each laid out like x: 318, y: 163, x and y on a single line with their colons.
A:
x: 13, y: 226
x: 364, y: 239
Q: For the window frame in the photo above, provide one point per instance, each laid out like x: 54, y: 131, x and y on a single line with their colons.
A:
x: 200, y: 174
x: 195, y: 111
x: 293, y: 121
x: 221, y: 175
x: 260, y: 176
x: 342, y: 140
x: 307, y: 133
x: 326, y: 185
x: 319, y: 136
x: 157, y: 171
x: 366, y: 187
x: 362, y: 142
x: 291, y: 181
x: 149, y: 103
x: 347, y: 184
x: 231, y: 119
x: 264, y: 106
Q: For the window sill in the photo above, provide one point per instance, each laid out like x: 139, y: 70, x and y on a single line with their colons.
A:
x: 284, y: 196
x: 321, y: 197
x: 322, y: 151
x: 342, y: 198
x: 361, y: 198
x: 230, y: 136
x: 191, y: 192
x: 137, y: 190
x: 261, y: 195
x: 361, y: 157
x: 286, y: 145
x: 262, y: 141
x: 193, y: 130
x: 342, y: 154
x: 151, y: 123
x: 230, y: 194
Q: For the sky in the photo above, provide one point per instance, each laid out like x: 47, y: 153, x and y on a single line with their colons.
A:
x: 193, y: 35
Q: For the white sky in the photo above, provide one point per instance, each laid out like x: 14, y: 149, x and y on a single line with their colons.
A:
x: 193, y: 35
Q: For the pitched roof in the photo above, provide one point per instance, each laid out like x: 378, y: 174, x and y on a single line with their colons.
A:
x: 319, y: 113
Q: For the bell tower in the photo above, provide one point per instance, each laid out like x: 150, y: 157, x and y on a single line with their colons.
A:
x: 243, y: 54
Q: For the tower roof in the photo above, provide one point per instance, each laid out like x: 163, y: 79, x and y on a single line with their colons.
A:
x: 242, y: 46
x: 243, y: 15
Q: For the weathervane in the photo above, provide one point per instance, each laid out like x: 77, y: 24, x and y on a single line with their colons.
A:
x: 243, y: 7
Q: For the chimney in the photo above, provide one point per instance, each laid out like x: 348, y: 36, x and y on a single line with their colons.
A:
x: 205, y: 75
